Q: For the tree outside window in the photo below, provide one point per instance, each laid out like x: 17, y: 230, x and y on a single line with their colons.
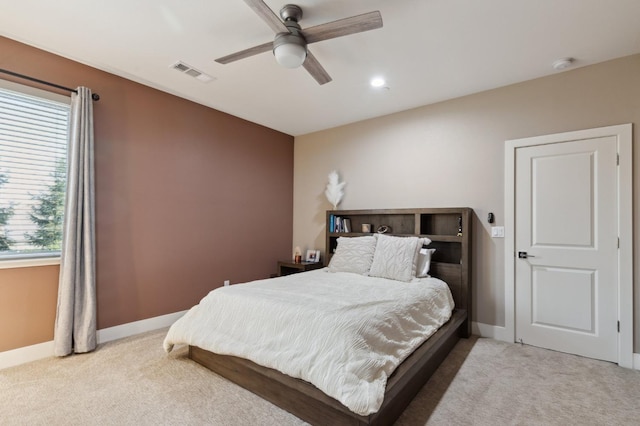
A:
x: 5, y: 214
x: 48, y: 213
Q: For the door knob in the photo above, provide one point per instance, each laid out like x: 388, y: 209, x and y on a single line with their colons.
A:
x: 524, y: 255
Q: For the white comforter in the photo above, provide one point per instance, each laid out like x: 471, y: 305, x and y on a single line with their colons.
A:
x: 344, y: 333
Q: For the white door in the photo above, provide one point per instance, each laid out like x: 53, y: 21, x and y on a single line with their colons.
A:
x: 566, y: 247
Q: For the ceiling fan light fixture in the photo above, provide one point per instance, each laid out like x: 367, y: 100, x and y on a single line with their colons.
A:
x: 290, y: 50
x: 290, y: 55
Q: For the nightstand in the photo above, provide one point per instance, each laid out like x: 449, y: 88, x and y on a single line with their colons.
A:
x: 288, y: 267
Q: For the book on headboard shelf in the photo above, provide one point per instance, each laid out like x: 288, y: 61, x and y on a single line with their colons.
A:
x: 338, y: 224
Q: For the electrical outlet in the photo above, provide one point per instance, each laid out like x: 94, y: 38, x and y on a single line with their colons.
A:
x: 226, y: 283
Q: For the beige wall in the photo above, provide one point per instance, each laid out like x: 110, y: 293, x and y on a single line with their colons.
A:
x: 186, y: 197
x: 452, y: 154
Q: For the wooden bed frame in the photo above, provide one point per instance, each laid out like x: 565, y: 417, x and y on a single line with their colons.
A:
x: 450, y: 232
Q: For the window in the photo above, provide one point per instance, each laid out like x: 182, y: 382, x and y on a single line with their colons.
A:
x: 34, y: 129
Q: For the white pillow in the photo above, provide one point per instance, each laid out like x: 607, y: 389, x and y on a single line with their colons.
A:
x: 353, y: 254
x: 424, y: 241
x: 395, y: 257
x: 424, y: 262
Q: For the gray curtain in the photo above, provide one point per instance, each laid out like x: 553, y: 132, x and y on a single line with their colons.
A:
x: 75, y: 327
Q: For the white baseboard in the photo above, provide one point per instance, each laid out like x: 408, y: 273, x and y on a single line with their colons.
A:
x: 137, y: 327
x: 44, y: 350
x: 636, y: 361
x: 490, y: 331
x: 26, y: 354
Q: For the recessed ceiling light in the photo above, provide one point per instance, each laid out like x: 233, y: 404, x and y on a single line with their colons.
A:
x: 562, y: 64
x: 378, y: 82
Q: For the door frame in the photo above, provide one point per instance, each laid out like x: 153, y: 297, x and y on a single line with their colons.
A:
x: 623, y: 134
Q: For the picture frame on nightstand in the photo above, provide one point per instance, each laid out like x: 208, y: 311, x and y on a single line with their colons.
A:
x: 313, y: 256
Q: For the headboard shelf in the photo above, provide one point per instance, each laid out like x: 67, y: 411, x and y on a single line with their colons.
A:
x: 449, y: 230
x: 443, y: 238
x: 432, y: 237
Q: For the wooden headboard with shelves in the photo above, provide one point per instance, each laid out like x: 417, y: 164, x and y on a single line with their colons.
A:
x: 449, y: 230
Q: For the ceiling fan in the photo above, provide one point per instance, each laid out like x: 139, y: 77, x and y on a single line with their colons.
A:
x: 290, y: 44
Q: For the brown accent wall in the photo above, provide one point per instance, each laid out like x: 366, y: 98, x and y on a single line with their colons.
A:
x: 27, y: 305
x: 186, y: 197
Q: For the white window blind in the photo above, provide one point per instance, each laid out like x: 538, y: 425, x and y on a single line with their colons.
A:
x: 33, y: 153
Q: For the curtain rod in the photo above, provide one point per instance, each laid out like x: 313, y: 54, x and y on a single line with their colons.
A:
x: 94, y: 96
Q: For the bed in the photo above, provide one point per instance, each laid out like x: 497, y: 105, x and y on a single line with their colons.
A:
x: 406, y: 369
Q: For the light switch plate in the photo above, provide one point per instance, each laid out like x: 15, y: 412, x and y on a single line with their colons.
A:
x: 497, y: 232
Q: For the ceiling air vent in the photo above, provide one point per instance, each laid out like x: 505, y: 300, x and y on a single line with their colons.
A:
x: 189, y: 70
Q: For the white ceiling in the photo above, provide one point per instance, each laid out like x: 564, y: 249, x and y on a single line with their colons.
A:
x: 428, y: 50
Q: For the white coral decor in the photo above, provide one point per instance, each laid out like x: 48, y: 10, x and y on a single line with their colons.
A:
x: 334, y: 190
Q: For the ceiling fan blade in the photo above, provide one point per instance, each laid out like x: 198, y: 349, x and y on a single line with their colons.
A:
x: 246, y: 53
x: 316, y: 70
x: 343, y: 27
x: 267, y: 15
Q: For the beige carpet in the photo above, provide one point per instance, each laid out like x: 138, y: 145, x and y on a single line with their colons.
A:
x: 482, y: 382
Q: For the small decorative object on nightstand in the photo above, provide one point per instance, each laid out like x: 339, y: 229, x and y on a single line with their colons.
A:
x: 313, y: 256
x: 288, y: 267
